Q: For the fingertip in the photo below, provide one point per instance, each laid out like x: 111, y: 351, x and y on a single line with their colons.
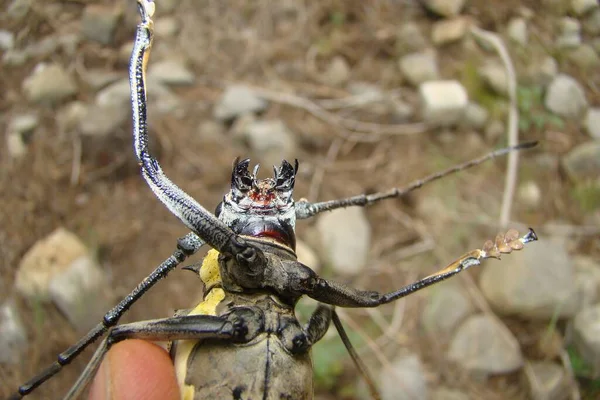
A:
x: 135, y: 370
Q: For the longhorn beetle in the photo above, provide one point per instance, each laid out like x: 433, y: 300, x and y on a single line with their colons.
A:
x: 251, y: 276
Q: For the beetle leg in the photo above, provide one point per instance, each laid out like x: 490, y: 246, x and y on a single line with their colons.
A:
x: 305, y: 209
x: 240, y: 325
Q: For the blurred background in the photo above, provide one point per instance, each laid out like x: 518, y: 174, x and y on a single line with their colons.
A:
x: 368, y: 96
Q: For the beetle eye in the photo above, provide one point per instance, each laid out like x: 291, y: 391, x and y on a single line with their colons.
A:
x: 219, y: 209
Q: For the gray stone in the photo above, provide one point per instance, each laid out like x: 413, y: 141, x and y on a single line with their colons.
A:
x: 448, y: 305
x: 345, y: 240
x: 166, y: 27
x: 100, y: 78
x: 548, y: 70
x: 443, y: 102
x: 18, y: 9
x: 23, y: 123
x: 587, y: 280
x: 529, y: 194
x: 592, y: 122
x: 449, y: 31
x: 419, y: 67
x: 494, y: 76
x: 582, y: 7
x: 69, y: 117
x: 591, y: 23
x: 49, y: 84
x: 565, y: 97
x: 409, y: 38
x: 476, y: 116
x: 270, y: 139
x: 547, y: 380
x: 517, y: 31
x: 81, y: 293
x: 307, y: 256
x: 99, y: 23
x: 443, y: 393
x: 117, y: 93
x: 484, y: 346
x: 236, y: 101
x: 7, y: 40
x: 13, y: 336
x: 494, y: 130
x: 166, y: 6
x: 46, y: 259
x: 162, y: 100
x: 445, y: 8
x: 171, y: 72
x: 584, y: 57
x: 509, y: 287
x: 582, y: 163
x: 404, y: 379
x: 337, y: 72
x: 15, y: 144
x: 586, y: 335
x: 101, y: 120
x: 570, y: 33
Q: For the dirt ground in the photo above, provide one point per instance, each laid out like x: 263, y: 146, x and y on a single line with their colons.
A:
x: 267, y: 46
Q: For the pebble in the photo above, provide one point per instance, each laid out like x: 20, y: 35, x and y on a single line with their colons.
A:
x: 546, y: 380
x: 99, y: 23
x: 443, y: 102
x: 410, y: 38
x: 345, y: 240
x: 49, y: 84
x: 584, y: 57
x: 15, y: 144
x: 587, y: 280
x: 447, y: 306
x: 7, y: 40
x: 476, y: 116
x: 236, y: 101
x: 538, y: 282
x: 445, y: 8
x: 484, y: 346
x: 404, y: 379
x: 582, y: 163
x: 586, y: 335
x: 13, y: 336
x: 419, y: 67
x: 166, y: 27
x: 494, y: 76
x: 44, y: 260
x: 517, y: 31
x: 337, y: 72
x: 449, y: 31
x: 592, y: 122
x: 565, y: 97
x: 529, y: 194
x: 570, y: 33
x: 171, y: 72
x: 591, y: 23
x: 18, y: 9
x: 23, y: 123
x: 582, y: 7
x: 102, y: 120
x: 100, y: 78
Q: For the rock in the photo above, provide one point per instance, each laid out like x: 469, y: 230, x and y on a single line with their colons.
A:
x: 476, y: 116
x: 236, y: 101
x: 404, y: 379
x: 103, y: 120
x: 484, y: 346
x: 345, y: 240
x: 419, y: 67
x: 529, y: 195
x: 547, y: 380
x: 23, y: 123
x: 15, y: 144
x: 443, y: 102
x: 591, y: 23
x: 307, y: 256
x: 592, y: 122
x: 494, y: 130
x: 445, y: 8
x: 494, y: 76
x: 337, y: 72
x: 583, y: 162
x: 80, y: 292
x: 49, y: 84
x: 565, y: 97
x: 582, y: 7
x: 448, y: 31
x: 171, y: 72
x: 7, y: 40
x: 410, y: 39
x: 586, y: 335
x: 570, y: 35
x: 448, y: 306
x: 443, y: 393
x: 547, y: 71
x: 19, y: 127
x: 99, y: 23
x: 166, y: 27
x: 538, y: 283
x: 100, y: 78
x: 117, y: 93
x: 13, y: 336
x: 18, y: 9
x: 587, y: 280
x: 69, y: 117
x: 166, y: 6
x: 162, y: 99
x: 270, y: 139
x: 517, y: 30
x: 584, y: 57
